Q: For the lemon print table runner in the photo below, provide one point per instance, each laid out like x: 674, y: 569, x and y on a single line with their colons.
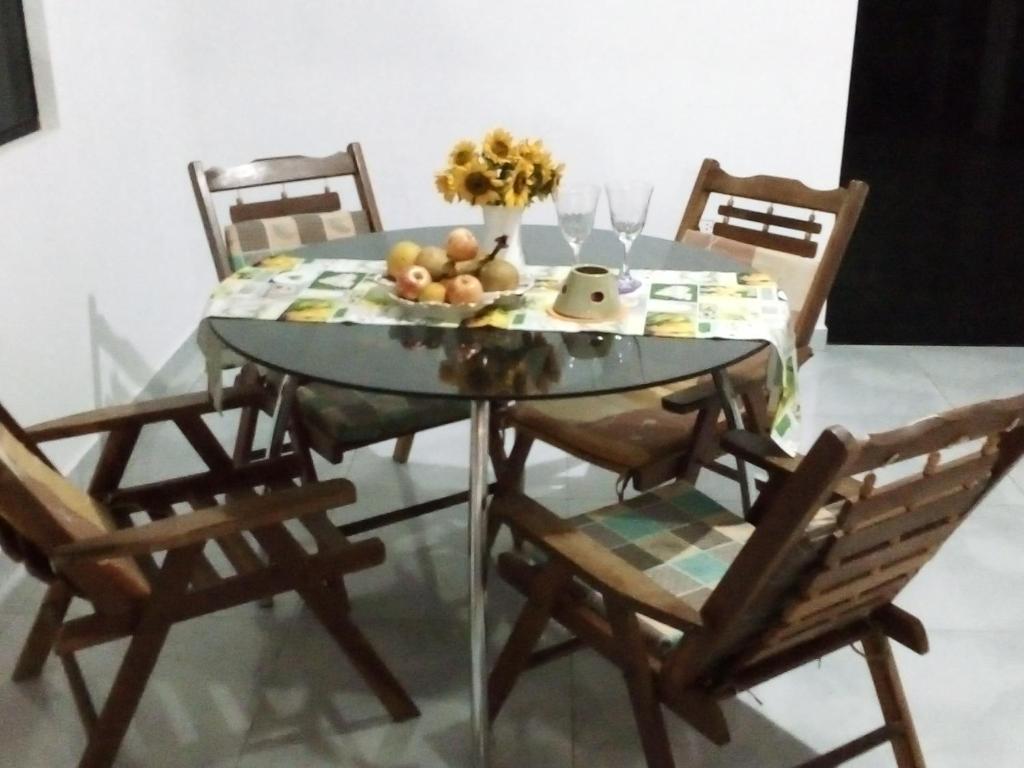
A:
x: 669, y: 303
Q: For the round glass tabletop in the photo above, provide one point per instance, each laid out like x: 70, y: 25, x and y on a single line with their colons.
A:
x: 489, y: 363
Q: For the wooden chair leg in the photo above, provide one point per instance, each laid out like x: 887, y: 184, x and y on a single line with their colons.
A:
x: 755, y: 410
x: 640, y: 682
x: 515, y: 656
x: 44, y: 630
x: 247, y: 421
x: 112, y: 725
x: 79, y: 691
x: 147, y: 641
x: 515, y: 467
x: 361, y: 653
x: 702, y: 445
x: 402, y: 447
x: 893, y: 701
x: 282, y: 547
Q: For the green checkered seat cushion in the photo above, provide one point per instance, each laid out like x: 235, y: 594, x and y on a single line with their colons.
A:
x: 685, y: 541
x: 682, y: 539
x: 351, y: 418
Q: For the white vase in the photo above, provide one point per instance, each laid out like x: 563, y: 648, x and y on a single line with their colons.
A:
x: 501, y: 220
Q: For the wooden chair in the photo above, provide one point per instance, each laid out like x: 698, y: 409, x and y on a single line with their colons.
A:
x: 83, y: 546
x: 833, y: 549
x: 334, y: 420
x: 654, y: 435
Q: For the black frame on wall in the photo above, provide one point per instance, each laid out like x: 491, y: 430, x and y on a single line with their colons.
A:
x: 19, y: 110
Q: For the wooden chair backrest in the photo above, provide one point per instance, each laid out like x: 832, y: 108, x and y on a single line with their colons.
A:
x: 40, y: 510
x: 845, y: 203
x: 11, y: 542
x: 881, y: 539
x: 280, y: 170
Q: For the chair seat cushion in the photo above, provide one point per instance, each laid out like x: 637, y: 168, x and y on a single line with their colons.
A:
x: 351, y: 418
x: 679, y: 537
x: 685, y: 542
x: 629, y: 432
x: 248, y: 241
x: 793, y: 274
x: 623, y: 432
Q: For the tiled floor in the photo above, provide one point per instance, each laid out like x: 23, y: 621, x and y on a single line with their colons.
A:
x: 257, y: 687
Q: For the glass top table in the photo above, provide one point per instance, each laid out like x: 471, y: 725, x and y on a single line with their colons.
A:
x: 489, y: 365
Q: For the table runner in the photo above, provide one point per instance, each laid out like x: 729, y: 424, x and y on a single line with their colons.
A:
x: 669, y: 303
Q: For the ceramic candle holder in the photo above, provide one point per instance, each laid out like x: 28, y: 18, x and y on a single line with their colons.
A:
x: 589, y: 293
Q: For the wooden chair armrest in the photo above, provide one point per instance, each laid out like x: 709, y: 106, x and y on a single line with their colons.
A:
x: 692, y: 398
x: 146, y: 412
x: 593, y: 563
x: 234, y: 516
x: 745, y: 375
x: 759, y: 450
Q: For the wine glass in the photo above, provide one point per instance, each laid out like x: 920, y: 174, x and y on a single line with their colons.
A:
x: 628, y: 201
x: 576, y: 206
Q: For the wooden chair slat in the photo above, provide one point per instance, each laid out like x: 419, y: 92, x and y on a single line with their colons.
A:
x: 900, y: 531
x: 327, y: 536
x: 891, y: 499
x: 323, y: 202
x: 787, y: 636
x: 777, y: 189
x: 814, y: 605
x: 937, y: 432
x: 771, y: 219
x: 280, y: 170
x: 924, y: 544
x: 240, y: 553
x: 794, y: 245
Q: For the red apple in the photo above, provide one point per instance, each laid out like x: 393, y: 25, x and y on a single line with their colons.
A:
x: 461, y: 245
x: 465, y: 289
x: 411, y: 282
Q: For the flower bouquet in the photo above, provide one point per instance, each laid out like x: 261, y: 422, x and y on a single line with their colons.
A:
x: 503, y: 176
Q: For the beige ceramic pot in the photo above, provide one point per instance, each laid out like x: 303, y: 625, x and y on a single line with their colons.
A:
x: 589, y: 293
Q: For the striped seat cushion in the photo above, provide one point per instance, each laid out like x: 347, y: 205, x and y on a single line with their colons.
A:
x: 247, y: 241
x: 792, y: 273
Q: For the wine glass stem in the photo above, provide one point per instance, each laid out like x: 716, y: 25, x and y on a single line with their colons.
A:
x: 625, y: 260
x: 576, y: 247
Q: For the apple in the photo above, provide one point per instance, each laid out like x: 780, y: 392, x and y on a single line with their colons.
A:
x: 402, y: 255
x: 464, y: 289
x: 433, y: 293
x: 412, y: 281
x: 434, y: 259
x: 461, y: 245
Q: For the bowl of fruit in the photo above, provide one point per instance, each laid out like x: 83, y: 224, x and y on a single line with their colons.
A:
x: 453, y: 282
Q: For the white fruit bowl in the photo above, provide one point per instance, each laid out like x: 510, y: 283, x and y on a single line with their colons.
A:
x: 441, y: 311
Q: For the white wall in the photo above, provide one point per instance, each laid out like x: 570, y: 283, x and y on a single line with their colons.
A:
x: 98, y: 208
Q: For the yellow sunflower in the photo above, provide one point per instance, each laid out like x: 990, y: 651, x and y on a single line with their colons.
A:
x: 517, y: 185
x: 500, y: 147
x: 476, y: 183
x: 462, y: 152
x: 445, y: 183
x: 546, y: 177
x: 532, y: 151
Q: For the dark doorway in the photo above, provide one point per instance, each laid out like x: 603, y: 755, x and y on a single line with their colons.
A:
x: 936, y: 127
